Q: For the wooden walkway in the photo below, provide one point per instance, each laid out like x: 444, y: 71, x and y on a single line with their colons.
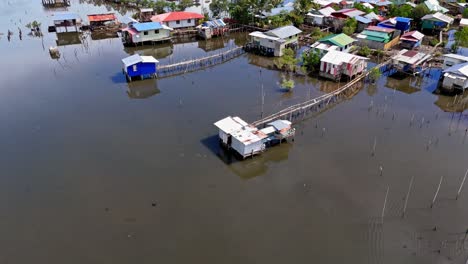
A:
x: 299, y: 111
x: 198, y: 64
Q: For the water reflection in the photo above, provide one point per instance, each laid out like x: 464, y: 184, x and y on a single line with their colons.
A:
x: 159, y: 51
x: 212, y: 44
x: 451, y: 103
x: 103, y: 35
x: 251, y: 167
x: 68, y: 38
x: 142, y: 89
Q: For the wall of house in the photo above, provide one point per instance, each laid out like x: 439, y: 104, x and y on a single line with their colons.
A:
x: 182, y: 23
x: 151, y: 36
x: 223, y: 136
x: 141, y: 69
x: 448, y: 83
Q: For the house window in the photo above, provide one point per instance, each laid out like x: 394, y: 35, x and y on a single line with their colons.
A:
x: 290, y: 37
x: 135, y: 68
x: 189, y: 20
x: 145, y: 33
x: 177, y: 22
x: 156, y: 31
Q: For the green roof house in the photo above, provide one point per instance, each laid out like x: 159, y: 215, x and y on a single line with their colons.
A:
x: 342, y: 41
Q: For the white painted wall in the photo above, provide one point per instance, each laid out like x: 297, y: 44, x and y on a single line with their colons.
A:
x: 140, y: 37
x: 182, y: 23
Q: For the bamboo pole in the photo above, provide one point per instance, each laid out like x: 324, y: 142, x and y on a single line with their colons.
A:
x: 385, y: 203
x: 461, y: 185
x: 437, y: 192
x: 407, y: 196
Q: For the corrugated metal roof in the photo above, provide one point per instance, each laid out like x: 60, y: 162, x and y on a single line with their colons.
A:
x: 380, y: 29
x: 174, y: 16
x: 147, y: 26
x: 280, y: 124
x: 323, y: 2
x: 438, y: 16
x: 127, y: 20
x: 340, y: 40
x: 355, y: 13
x: 464, y: 22
x: 456, y: 56
x: 284, y: 32
x: 376, y: 34
x: 101, y: 17
x: 403, y: 19
x: 363, y: 20
x: 148, y: 59
x: 326, y: 11
x: 230, y: 124
x: 338, y: 57
x: 134, y: 59
x: 434, y: 6
x: 459, y: 69
x: 412, y: 35
x: 144, y: 10
x: 66, y: 16
x: 268, y: 130
x: 259, y: 34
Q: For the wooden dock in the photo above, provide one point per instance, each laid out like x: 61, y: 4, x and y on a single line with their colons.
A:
x: 198, y: 64
x: 299, y: 111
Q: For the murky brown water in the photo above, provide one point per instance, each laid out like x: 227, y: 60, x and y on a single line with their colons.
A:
x: 95, y: 170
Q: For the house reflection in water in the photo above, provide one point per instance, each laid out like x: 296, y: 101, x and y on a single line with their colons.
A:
x: 142, y: 89
x: 212, y: 44
x: 259, y: 165
x: 68, y: 38
x: 159, y: 51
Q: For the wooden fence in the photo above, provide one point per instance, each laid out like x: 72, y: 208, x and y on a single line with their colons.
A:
x: 198, y: 64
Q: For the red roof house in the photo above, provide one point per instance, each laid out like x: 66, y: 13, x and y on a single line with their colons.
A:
x: 178, y: 19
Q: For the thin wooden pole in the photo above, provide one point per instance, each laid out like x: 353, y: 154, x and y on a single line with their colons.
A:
x: 437, y: 192
x: 373, y: 148
x: 407, y: 195
x: 461, y: 185
x: 385, y: 203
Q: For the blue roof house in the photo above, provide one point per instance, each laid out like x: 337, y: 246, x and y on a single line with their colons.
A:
x: 399, y: 23
x: 144, y: 32
x: 139, y: 66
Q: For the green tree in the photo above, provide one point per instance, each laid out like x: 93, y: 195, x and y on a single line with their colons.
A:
x: 400, y: 11
x: 288, y: 84
x: 465, y: 13
x: 160, y: 6
x: 363, y: 8
x: 350, y: 26
x: 419, y: 11
x: 375, y: 74
x: 183, y: 4
x: 172, y: 6
x: 364, y: 51
x: 219, y: 6
x: 311, y: 60
x: 287, y: 62
x: 461, y: 37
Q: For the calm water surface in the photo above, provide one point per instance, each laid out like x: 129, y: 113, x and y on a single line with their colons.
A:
x: 96, y: 170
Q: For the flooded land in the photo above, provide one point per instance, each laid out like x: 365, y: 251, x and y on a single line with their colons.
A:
x: 98, y: 170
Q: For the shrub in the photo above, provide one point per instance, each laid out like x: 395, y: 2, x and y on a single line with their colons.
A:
x: 364, y: 51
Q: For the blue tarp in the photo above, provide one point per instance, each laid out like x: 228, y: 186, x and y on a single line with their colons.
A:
x: 147, y: 26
